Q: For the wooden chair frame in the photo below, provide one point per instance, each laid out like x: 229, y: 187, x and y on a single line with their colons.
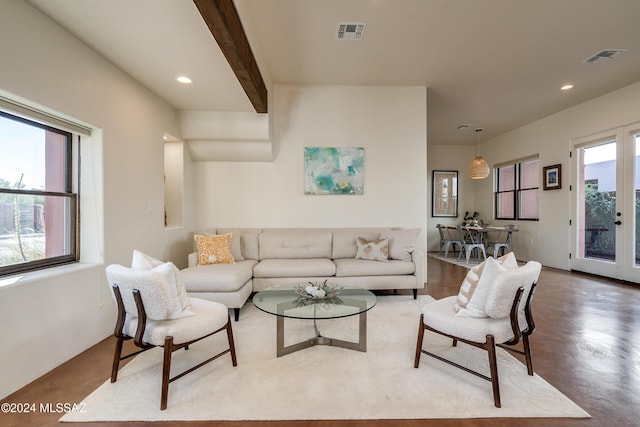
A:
x: 490, y: 345
x: 169, y: 346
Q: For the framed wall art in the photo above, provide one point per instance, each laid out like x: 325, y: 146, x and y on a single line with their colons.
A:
x: 552, y: 177
x: 333, y: 170
x: 444, y: 195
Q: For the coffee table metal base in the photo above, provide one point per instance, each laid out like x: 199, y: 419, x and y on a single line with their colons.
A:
x: 361, y: 345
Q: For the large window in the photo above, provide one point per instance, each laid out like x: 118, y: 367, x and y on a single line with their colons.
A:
x: 516, y: 190
x: 38, y: 208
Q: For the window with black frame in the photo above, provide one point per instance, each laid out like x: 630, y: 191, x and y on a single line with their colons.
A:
x: 516, y: 193
x: 38, y: 206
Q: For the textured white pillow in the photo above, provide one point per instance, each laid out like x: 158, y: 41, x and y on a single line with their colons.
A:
x: 171, y: 275
x: 508, y: 261
x: 156, y: 287
x: 474, y: 298
x: 372, y: 250
x: 475, y: 288
x: 401, y: 242
x: 142, y: 261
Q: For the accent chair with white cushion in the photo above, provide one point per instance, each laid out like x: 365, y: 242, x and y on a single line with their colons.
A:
x: 151, y: 312
x: 505, y: 319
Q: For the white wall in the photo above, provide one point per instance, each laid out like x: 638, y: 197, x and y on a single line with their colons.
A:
x: 389, y: 122
x: 548, y: 240
x: 50, y: 316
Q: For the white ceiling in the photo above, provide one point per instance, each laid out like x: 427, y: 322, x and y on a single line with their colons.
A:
x: 497, y: 64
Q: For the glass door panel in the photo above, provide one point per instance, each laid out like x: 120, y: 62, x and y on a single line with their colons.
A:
x: 606, y: 206
x: 598, y: 202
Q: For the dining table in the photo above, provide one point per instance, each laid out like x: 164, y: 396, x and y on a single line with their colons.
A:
x: 481, y: 231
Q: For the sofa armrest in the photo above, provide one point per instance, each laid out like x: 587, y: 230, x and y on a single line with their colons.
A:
x: 192, y: 259
x: 418, y: 258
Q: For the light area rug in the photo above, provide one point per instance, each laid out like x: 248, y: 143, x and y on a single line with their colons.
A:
x: 325, y: 382
x: 453, y: 259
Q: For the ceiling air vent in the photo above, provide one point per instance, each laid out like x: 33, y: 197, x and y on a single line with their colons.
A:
x: 604, y: 55
x: 350, y: 30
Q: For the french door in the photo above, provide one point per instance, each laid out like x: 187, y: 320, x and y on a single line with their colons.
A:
x: 606, y: 204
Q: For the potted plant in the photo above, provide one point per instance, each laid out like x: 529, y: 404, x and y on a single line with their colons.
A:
x: 472, y: 219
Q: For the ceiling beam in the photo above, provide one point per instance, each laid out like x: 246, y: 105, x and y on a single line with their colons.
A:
x: 224, y: 23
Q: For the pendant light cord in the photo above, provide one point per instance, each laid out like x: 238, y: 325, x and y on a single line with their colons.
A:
x: 478, y: 130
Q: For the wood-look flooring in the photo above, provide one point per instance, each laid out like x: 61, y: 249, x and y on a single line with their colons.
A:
x: 586, y: 344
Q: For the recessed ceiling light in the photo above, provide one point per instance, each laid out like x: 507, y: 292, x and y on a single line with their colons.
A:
x: 567, y: 87
x: 183, y: 79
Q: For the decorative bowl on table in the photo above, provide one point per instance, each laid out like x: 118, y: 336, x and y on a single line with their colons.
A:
x: 318, y: 290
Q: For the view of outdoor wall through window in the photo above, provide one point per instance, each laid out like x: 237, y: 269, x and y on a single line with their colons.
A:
x: 37, y: 206
x: 600, y: 203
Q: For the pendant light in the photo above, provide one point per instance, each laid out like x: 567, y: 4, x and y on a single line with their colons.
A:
x: 478, y: 169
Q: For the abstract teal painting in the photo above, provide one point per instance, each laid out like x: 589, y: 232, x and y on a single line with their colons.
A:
x: 333, y: 170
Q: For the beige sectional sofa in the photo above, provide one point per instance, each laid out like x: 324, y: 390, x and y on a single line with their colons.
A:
x: 272, y: 256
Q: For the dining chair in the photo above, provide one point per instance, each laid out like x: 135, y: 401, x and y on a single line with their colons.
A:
x: 509, y: 321
x: 446, y: 241
x: 471, y: 241
x: 501, y: 246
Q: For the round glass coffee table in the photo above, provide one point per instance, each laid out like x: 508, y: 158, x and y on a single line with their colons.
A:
x: 283, y: 302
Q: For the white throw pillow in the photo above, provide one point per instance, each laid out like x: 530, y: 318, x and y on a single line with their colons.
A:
x: 372, y: 250
x: 474, y: 291
x: 401, y: 242
x: 142, y: 261
x: 171, y: 275
x: 508, y: 261
x: 473, y: 294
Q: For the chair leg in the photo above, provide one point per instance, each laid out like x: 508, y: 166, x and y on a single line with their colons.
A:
x: 232, y: 345
x: 166, y: 371
x: 419, y: 343
x: 236, y: 314
x: 493, y: 368
x: 527, y: 354
x: 116, y: 359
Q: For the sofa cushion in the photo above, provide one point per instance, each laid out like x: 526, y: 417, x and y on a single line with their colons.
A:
x: 218, y: 277
x: 358, y: 267
x: 344, y: 241
x: 401, y: 242
x: 322, y: 267
x: 295, y: 245
x: 244, y: 242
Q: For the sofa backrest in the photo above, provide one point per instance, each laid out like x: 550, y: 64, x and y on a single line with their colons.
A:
x: 344, y: 240
x: 333, y: 243
x: 295, y: 244
x: 244, y: 241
